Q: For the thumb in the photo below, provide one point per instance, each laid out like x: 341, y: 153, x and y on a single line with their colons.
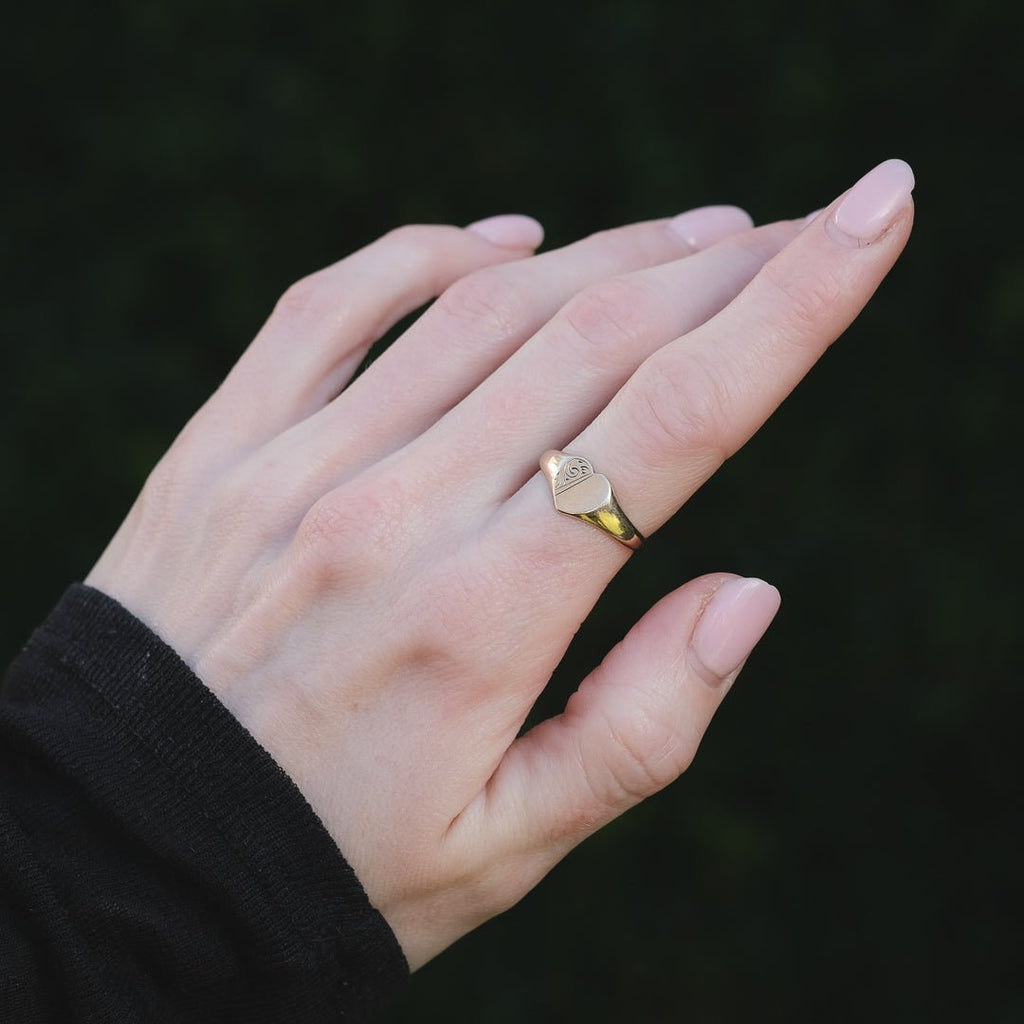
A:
x: 634, y: 724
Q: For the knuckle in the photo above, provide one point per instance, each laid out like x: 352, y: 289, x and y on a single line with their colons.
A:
x: 634, y: 246
x: 351, y: 535
x: 649, y: 754
x: 614, y: 241
x: 415, y: 251
x: 411, y: 237
x: 802, y: 301
x: 302, y: 298
x: 611, y: 312
x: 489, y: 299
x: 752, y: 250
x: 195, y: 487
x: 416, y: 248
x: 626, y: 246
x: 683, y: 406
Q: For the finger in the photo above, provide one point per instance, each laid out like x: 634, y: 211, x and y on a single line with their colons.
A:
x: 479, y: 322
x: 323, y: 325
x: 576, y: 363
x: 697, y: 400
x: 700, y: 399
x: 632, y: 727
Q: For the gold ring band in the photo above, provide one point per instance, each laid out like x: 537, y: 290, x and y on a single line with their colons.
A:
x: 580, y: 492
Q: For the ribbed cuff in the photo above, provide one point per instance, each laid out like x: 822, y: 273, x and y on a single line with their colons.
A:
x: 206, y: 769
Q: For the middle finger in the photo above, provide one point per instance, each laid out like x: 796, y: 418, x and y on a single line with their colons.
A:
x: 476, y: 324
x: 555, y: 384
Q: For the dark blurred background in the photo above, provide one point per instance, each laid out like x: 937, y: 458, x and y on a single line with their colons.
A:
x: 845, y: 847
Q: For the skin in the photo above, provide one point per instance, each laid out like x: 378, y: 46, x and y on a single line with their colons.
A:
x: 375, y: 583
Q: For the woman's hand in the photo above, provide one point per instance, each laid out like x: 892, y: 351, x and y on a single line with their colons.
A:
x: 376, y: 583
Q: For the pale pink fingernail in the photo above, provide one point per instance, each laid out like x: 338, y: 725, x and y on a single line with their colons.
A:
x: 872, y: 204
x: 736, y: 618
x: 710, y: 224
x: 509, y: 230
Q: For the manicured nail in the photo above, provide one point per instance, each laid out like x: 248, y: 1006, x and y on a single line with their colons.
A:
x: 872, y: 204
x: 509, y: 230
x: 734, y: 620
x: 710, y: 224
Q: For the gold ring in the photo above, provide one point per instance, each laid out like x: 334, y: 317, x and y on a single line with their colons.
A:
x: 579, y: 491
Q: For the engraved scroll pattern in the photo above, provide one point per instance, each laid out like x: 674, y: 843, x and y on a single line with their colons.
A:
x: 572, y: 472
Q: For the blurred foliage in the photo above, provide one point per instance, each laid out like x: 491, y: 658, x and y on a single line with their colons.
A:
x: 845, y: 847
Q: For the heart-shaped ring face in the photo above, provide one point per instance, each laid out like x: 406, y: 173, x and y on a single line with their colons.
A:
x: 578, y: 490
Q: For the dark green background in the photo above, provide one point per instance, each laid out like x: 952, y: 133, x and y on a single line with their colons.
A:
x: 845, y: 846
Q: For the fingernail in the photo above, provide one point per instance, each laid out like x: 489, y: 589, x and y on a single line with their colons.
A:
x: 735, y: 619
x: 710, y: 224
x: 872, y: 204
x: 509, y: 230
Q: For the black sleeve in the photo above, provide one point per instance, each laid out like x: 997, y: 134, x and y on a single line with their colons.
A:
x: 155, y: 863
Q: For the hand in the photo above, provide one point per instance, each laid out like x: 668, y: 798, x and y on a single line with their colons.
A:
x: 376, y: 583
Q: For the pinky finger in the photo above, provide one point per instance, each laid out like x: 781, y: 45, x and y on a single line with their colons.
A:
x: 323, y: 325
x: 634, y: 724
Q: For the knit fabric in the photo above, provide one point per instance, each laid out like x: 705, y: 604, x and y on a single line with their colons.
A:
x: 156, y: 864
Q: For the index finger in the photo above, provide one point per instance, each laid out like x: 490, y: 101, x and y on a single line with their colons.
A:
x: 697, y: 400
